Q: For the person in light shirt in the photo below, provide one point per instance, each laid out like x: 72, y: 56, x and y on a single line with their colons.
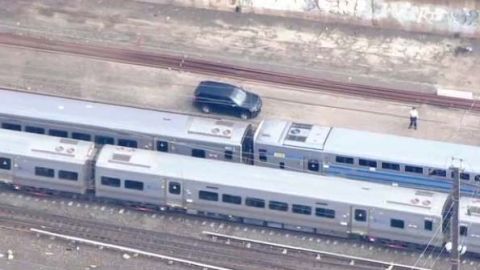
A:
x: 413, y: 118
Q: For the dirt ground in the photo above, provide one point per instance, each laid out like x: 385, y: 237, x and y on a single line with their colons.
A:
x: 317, y: 49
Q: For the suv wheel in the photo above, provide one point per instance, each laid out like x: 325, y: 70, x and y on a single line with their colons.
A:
x: 205, y: 108
x: 245, y: 115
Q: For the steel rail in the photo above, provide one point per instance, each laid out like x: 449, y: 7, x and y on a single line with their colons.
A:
x: 183, y: 247
x: 181, y: 62
x: 202, y: 266
x: 354, y: 260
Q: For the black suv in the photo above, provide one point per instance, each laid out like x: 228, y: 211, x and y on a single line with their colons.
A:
x: 226, y: 98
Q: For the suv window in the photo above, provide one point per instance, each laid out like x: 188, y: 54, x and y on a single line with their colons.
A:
x: 238, y: 96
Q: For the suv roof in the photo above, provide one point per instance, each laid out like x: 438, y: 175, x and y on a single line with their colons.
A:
x: 217, y: 88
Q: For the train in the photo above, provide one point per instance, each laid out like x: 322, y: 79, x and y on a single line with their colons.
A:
x: 287, y: 145
x: 288, y: 200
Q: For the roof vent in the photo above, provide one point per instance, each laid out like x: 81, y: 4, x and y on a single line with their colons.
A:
x: 424, y: 193
x: 224, y: 123
x: 294, y: 131
x: 68, y: 141
x: 473, y: 211
x: 121, y: 157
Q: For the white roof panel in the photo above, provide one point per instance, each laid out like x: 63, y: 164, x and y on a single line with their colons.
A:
x: 291, y: 134
x: 121, y: 118
x: 469, y: 210
x: 45, y: 147
x: 272, y: 180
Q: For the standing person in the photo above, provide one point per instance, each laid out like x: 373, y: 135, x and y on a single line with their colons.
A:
x: 413, y: 118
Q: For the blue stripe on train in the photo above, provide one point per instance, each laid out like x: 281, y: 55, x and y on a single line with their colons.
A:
x: 443, y: 185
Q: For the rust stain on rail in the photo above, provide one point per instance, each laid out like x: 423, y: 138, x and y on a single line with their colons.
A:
x: 202, y: 66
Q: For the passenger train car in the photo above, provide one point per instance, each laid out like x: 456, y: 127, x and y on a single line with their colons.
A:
x: 275, y: 143
x: 365, y: 155
x: 126, y: 126
x: 253, y: 195
x: 42, y: 162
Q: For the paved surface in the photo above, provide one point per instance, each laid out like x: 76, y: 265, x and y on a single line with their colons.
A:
x: 56, y: 254
x: 271, y: 42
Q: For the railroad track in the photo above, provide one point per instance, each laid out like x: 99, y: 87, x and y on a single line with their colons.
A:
x: 221, y: 69
x: 195, y: 253
x: 347, y: 261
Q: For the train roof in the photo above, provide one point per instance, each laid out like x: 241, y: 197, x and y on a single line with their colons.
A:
x: 291, y: 134
x: 17, y: 143
x: 121, y: 118
x: 271, y: 180
x: 401, y: 149
x: 369, y: 145
x: 469, y: 211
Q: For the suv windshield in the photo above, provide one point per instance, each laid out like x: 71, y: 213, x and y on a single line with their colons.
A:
x: 239, y: 96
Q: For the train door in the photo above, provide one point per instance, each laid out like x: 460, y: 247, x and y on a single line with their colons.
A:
x: 359, y: 224
x: 6, y: 169
x: 247, y: 147
x: 174, y: 194
x: 312, y: 165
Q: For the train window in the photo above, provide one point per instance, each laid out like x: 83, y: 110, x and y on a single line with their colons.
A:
x: 110, y: 181
x: 81, y: 136
x: 413, y: 169
x: 11, y: 126
x: 67, y: 175
x: 208, y: 195
x: 463, y: 230
x: 360, y: 215
x: 228, y: 154
x: 127, y: 143
x: 174, y: 188
x: 37, y: 130
x: 437, y: 172
x: 341, y: 159
x: 262, y: 155
x: 254, y: 202
x: 278, y: 206
x: 324, y: 212
x: 397, y: 223
x: 5, y: 163
x: 226, y: 198
x: 313, y: 165
x: 58, y: 133
x: 198, y: 153
x: 281, y: 165
x: 428, y: 225
x: 367, y: 163
x: 390, y: 166
x: 104, y: 140
x: 464, y: 176
x: 131, y: 184
x: 301, y: 209
x: 45, y: 172
x: 162, y: 146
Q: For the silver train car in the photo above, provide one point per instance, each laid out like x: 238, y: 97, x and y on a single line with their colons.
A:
x: 46, y: 163
x: 126, y: 126
x: 366, y: 156
x: 278, y: 199
x: 280, y: 144
x: 253, y: 195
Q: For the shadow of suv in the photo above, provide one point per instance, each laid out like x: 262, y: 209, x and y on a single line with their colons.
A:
x: 226, y: 98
